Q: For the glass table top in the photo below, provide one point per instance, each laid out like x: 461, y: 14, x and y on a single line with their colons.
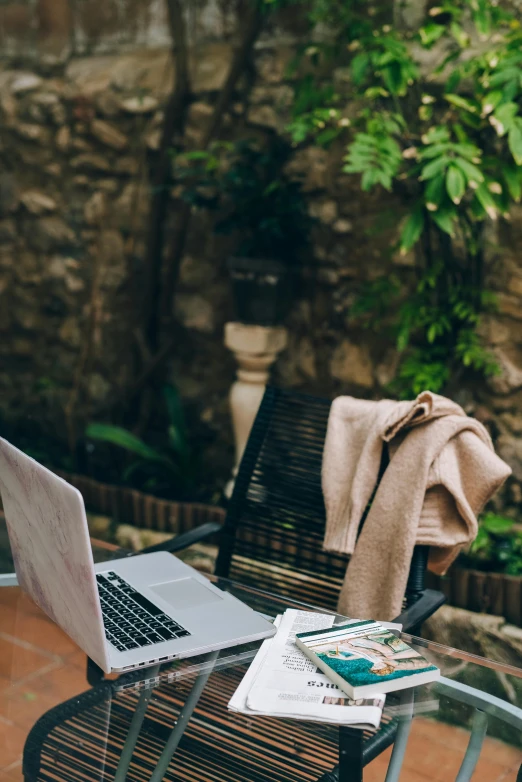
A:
x: 173, y: 723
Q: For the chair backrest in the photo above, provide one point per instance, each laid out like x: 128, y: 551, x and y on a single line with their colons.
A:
x: 274, y: 529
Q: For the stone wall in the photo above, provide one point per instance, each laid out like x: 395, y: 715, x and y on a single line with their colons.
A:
x: 81, y: 107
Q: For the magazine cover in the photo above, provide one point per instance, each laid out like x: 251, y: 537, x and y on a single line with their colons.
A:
x: 364, y: 657
x: 283, y: 682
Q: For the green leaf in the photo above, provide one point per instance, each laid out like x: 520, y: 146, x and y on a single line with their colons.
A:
x: 445, y: 219
x: 435, y: 167
x: 503, y: 117
x: 481, y: 542
x: 462, y: 103
x: 505, y: 75
x: 459, y: 35
x: 325, y: 137
x: 393, y: 78
x: 461, y: 133
x: 177, y: 429
x: 436, y: 135
x: 468, y: 151
x: 116, y: 435
x: 496, y: 525
x: 431, y: 33
x: 471, y: 172
x: 515, y: 143
x: 434, y: 192
x: 482, y: 19
x: 412, y: 230
x: 486, y: 200
x: 434, y: 150
x: 359, y: 67
x: 512, y: 179
x: 491, y: 101
x: 453, y: 80
x: 455, y: 184
x: 432, y: 333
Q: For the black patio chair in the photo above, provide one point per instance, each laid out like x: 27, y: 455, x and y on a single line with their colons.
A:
x: 274, y: 527
x: 272, y: 540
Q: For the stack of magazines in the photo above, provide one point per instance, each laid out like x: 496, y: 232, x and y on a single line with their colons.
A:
x: 283, y: 682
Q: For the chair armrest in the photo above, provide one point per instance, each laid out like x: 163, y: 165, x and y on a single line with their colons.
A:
x: 421, y: 610
x: 492, y: 705
x: 186, y: 539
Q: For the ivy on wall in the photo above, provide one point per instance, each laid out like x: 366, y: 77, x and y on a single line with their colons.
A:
x: 447, y: 142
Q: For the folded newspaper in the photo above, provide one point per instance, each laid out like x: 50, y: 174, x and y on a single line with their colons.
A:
x: 281, y: 681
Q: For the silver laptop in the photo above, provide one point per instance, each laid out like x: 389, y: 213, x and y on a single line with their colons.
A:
x: 127, y: 613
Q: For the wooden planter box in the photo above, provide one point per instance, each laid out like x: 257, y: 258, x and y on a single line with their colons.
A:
x: 129, y: 506
x: 488, y: 593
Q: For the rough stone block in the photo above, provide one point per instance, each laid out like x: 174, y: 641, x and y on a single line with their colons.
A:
x: 49, y: 233
x: 351, y: 363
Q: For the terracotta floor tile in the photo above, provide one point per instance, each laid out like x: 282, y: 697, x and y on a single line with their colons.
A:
x: 9, y: 596
x: 13, y: 774
x: 4, y: 683
x: 376, y: 771
x: 63, y: 682
x: 44, y: 634
x: 77, y: 659
x: 24, y: 705
x: 441, y: 763
x: 497, y: 751
x: 487, y: 771
x: 14, y: 598
x: 12, y: 740
x: 457, y: 738
x: 450, y: 736
x: 510, y: 776
x: 23, y: 619
x: 17, y: 660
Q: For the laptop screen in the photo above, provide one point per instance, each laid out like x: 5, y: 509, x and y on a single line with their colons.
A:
x: 49, y: 538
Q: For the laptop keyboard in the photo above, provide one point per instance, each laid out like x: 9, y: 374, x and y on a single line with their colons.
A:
x: 130, y: 619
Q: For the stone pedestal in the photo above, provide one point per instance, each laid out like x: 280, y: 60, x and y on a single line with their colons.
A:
x: 255, y: 348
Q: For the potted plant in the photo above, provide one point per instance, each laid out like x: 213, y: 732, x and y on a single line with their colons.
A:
x: 167, y: 469
x: 266, y: 214
x: 488, y: 576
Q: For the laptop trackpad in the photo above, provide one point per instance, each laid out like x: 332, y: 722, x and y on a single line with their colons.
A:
x: 185, y: 593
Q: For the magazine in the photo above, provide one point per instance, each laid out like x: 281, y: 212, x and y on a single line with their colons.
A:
x: 282, y: 682
x: 365, y: 658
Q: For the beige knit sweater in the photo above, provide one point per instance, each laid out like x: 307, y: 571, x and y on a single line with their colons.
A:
x: 442, y: 471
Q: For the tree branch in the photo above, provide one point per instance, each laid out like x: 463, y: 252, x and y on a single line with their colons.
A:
x: 253, y: 27
x: 174, y: 122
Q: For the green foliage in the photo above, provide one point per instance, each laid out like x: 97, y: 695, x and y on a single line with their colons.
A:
x: 168, y: 469
x: 497, y: 547
x: 433, y: 327
x: 256, y: 201
x: 375, y: 154
x: 450, y: 146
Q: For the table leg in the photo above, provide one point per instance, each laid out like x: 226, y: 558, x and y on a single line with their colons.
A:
x: 407, y: 699
x: 350, y: 754
x: 185, y: 714
x: 134, y: 730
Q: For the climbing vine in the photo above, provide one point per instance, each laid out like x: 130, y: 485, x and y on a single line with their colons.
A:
x: 446, y: 140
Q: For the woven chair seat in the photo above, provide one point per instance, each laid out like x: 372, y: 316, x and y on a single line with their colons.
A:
x: 82, y: 740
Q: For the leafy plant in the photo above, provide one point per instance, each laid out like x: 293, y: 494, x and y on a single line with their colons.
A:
x: 448, y: 145
x: 497, y: 547
x: 168, y: 469
x: 257, y: 202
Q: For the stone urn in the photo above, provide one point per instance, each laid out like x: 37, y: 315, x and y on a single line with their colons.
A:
x: 262, y: 290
